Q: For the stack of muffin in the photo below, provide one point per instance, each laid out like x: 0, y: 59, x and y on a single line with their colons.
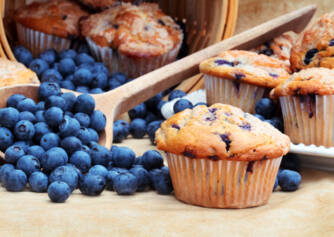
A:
x: 129, y: 38
x: 222, y: 156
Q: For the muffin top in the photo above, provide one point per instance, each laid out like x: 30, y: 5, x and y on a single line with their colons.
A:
x: 221, y: 132
x: 12, y: 73
x: 315, y: 45
x: 138, y: 31
x: 314, y: 81
x: 102, y: 4
x: 56, y: 17
x: 245, y: 66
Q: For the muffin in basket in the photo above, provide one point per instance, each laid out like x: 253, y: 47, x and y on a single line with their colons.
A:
x: 220, y: 156
x: 307, y: 102
x: 133, y: 39
x: 315, y: 45
x: 241, y: 78
x: 104, y: 4
x: 13, y: 73
x: 51, y: 24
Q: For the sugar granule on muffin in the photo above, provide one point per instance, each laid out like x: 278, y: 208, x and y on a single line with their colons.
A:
x: 220, y: 156
x: 133, y: 39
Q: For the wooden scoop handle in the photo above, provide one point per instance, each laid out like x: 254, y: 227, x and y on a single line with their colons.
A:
x: 135, y: 92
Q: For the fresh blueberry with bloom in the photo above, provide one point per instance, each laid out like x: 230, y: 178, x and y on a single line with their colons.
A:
x: 15, y: 180
x: 123, y: 157
x: 81, y: 160
x: 28, y: 164
x: 38, y: 182
x: 65, y: 174
x: 59, y: 191
x: 92, y: 185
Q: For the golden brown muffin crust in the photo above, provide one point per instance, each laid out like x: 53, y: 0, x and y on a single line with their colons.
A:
x: 12, y: 73
x: 56, y: 17
x: 220, y: 132
x: 246, y: 66
x: 316, y: 81
x: 138, y: 31
x: 315, y: 45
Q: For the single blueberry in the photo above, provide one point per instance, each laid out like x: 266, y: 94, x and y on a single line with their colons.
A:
x: 55, y: 101
x: 4, y: 171
x: 54, y: 116
x: 69, y: 127
x: 120, y: 77
x: 265, y: 107
x: 65, y: 174
x: 121, y: 130
x: 98, y: 120
x: 92, y: 185
x: 36, y: 151
x: 70, y: 100
x: 152, y: 159
x: 99, y: 67
x: 176, y: 94
x: 67, y: 85
x: 27, y: 104
x: 99, y: 170
x: 15, y: 180
x: 38, y: 182
x: 67, y: 53
x: 39, y: 66
x: 85, y: 103
x: 84, y: 119
x: 123, y: 157
x: 83, y: 58
x: 143, y: 178
x: 47, y: 89
x: 100, y: 155
x: 49, y: 140
x: 41, y: 128
x: 125, y: 184
x: 66, y: 66
x: 14, y: 99
x: 24, y: 130
x: 13, y: 153
x: 113, y: 84
x: 289, y: 180
x: 181, y: 105
x: 276, y: 122
x: 138, y: 128
x: 51, y: 75
x: 138, y: 111
x: 162, y: 182
x: 23, y: 144
x: 23, y: 55
x: 81, y: 160
x: 82, y: 77
x: 71, y: 144
x: 109, y: 180
x: 9, y: 117
x: 59, y: 191
x: 99, y: 80
x: 152, y: 128
x: 50, y: 56
x: 94, y: 136
x: 28, y: 164
x: 54, y: 158
x: 26, y: 115
x: 84, y: 135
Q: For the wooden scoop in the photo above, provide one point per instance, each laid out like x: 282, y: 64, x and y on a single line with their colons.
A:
x: 121, y: 99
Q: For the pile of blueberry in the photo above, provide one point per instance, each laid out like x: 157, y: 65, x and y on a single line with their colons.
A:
x: 266, y: 110
x: 73, y: 70
x: 52, y: 145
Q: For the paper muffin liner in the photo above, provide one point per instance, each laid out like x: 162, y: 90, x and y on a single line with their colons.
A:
x: 239, y: 94
x: 222, y: 183
x: 309, y: 119
x: 37, y: 42
x: 132, y: 67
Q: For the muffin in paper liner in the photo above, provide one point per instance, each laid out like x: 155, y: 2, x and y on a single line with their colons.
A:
x: 221, y: 157
x: 307, y: 102
x: 133, y: 39
x: 131, y: 66
x: 37, y: 42
x: 241, y: 78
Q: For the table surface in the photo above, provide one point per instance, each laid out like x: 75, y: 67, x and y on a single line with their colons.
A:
x: 306, y: 212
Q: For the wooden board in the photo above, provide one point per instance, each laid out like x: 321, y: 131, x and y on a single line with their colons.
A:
x: 306, y: 212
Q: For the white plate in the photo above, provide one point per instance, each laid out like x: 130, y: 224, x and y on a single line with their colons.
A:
x: 316, y: 157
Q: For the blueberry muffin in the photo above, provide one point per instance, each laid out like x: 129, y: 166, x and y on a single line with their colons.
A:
x: 241, y: 78
x: 133, y: 39
x: 51, y: 24
x: 220, y: 156
x: 13, y: 73
x: 315, y: 45
x: 279, y: 47
x: 104, y: 4
x: 307, y: 102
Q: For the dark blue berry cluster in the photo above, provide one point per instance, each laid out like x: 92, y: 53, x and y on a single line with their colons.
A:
x: 73, y: 70
x: 265, y: 109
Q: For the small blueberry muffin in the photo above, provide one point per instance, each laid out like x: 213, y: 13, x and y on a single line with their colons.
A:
x: 279, y: 47
x: 133, y: 39
x: 307, y: 102
x: 314, y: 47
x: 241, y: 78
x: 51, y: 24
x: 13, y: 73
x: 104, y: 4
x: 220, y: 156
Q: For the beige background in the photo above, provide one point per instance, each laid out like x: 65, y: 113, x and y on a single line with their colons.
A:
x: 254, y: 12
